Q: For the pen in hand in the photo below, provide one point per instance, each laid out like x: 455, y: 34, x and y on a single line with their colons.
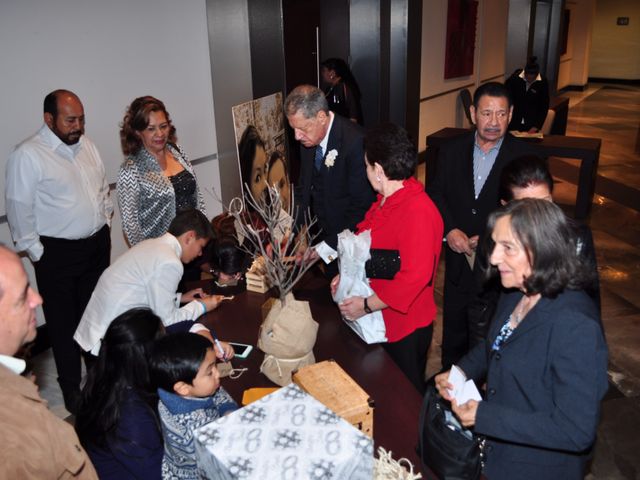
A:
x: 219, y: 346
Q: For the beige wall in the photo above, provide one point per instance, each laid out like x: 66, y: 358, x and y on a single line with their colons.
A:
x: 615, y: 52
x: 196, y: 127
x: 574, y: 65
x: 440, y: 105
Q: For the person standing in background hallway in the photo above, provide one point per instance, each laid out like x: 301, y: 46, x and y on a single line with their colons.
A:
x: 341, y: 89
x: 530, y: 97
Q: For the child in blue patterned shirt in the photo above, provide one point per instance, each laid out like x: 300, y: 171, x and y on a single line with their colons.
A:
x: 183, y: 367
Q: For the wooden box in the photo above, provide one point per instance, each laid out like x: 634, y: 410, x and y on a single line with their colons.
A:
x: 257, y: 283
x: 328, y: 383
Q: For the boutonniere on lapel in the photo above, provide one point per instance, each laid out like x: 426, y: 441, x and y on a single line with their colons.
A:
x: 330, y: 159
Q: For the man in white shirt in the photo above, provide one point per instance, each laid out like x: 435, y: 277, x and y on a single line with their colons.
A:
x: 36, y: 444
x: 147, y: 275
x: 59, y: 210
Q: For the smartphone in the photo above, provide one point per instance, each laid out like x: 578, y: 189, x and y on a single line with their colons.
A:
x: 241, y: 350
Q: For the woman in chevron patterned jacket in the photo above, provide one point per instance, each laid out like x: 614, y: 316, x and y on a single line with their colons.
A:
x: 156, y: 180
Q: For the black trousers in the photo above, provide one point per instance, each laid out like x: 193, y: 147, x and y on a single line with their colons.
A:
x: 410, y: 354
x: 67, y: 274
x: 455, y: 320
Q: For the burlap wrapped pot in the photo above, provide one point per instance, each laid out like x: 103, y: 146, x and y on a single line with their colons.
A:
x: 287, y: 336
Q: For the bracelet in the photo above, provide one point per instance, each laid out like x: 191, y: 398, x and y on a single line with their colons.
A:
x: 366, y: 306
x: 204, y: 306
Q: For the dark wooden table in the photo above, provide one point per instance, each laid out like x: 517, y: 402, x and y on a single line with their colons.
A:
x: 561, y: 106
x: 587, y: 150
x: 397, y: 402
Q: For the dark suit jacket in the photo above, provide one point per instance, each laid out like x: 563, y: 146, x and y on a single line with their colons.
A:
x: 347, y: 192
x: 452, y: 190
x: 544, y: 388
x: 530, y: 107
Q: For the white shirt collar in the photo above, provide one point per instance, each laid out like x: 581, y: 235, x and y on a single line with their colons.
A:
x: 325, y: 140
x: 538, y: 78
x: 171, y: 239
x: 16, y: 365
x: 56, y: 144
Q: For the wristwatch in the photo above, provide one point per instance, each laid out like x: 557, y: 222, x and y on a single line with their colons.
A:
x: 366, y: 306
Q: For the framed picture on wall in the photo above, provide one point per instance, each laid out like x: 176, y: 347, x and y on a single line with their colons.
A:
x: 461, y: 38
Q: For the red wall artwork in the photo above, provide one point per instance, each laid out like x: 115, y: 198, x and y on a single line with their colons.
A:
x: 461, y: 38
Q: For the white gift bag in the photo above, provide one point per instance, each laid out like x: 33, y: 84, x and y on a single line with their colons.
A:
x: 353, y: 252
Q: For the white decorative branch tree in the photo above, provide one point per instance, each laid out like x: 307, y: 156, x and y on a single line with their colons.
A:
x: 273, y: 238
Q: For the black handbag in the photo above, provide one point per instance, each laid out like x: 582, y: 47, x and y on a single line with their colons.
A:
x: 444, y: 449
x: 383, y: 264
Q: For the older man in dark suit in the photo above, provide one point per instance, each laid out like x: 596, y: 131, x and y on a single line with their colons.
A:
x: 465, y: 190
x: 333, y: 180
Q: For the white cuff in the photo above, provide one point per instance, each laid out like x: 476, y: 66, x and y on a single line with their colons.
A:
x: 35, y: 251
x: 197, y: 327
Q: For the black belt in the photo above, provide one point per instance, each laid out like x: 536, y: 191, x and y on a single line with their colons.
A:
x: 44, y: 238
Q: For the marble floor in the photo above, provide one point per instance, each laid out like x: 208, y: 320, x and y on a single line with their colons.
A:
x: 612, y: 113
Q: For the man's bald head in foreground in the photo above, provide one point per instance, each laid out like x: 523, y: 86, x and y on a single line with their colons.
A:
x: 18, y: 303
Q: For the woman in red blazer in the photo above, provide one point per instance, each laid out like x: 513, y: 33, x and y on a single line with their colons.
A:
x: 402, y: 218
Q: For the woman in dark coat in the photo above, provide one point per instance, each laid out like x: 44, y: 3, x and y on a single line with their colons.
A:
x: 545, y: 359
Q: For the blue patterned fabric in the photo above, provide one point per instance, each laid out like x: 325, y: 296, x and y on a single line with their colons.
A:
x: 505, y: 333
x: 180, y: 416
